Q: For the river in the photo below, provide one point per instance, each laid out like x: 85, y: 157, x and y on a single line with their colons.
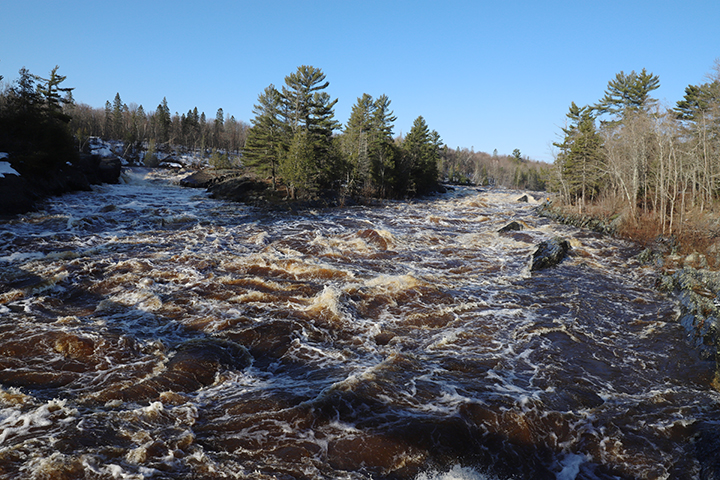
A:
x: 148, y: 331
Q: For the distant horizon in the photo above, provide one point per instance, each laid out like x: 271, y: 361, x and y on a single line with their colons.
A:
x: 484, y: 76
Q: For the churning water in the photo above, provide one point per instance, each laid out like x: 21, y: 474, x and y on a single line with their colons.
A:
x: 147, y: 331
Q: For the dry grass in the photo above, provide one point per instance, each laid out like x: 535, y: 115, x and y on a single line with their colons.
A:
x: 699, y: 231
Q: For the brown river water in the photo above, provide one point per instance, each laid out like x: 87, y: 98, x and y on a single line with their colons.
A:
x: 147, y: 331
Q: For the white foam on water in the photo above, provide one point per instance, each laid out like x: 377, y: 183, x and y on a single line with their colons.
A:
x: 14, y: 422
x: 570, y: 466
x: 457, y: 472
x: 18, y: 257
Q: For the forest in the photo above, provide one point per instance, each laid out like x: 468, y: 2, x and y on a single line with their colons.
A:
x: 293, y: 139
x: 656, y: 167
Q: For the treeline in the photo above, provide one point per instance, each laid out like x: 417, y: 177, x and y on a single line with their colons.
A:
x: 294, y: 139
x: 463, y: 166
x: 650, y: 162
x: 137, y: 128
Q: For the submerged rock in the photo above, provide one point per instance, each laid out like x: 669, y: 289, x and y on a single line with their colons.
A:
x: 549, y: 253
x: 195, y: 365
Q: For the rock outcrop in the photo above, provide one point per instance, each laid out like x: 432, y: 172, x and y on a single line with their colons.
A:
x: 206, y: 178
x: 512, y: 227
x: 20, y: 193
x: 549, y: 253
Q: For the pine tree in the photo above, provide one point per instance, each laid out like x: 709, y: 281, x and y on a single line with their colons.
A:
x: 698, y: 100
x: 298, y: 167
x: 218, y: 129
x: 580, y: 159
x: 356, y: 141
x: 267, y: 138
x: 421, y: 154
x: 162, y: 121
x: 33, y: 126
x: 308, y: 110
x: 383, y: 152
x: 50, y: 90
x: 117, y: 118
x: 628, y: 94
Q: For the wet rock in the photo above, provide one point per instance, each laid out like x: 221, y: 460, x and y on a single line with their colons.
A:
x: 512, y: 227
x: 523, y: 199
x: 604, y: 226
x: 20, y: 193
x: 707, y: 452
x: 15, y: 195
x: 384, y: 338
x: 549, y: 253
x: 237, y: 189
x: 109, y: 170
x: 203, y: 358
x: 206, y: 178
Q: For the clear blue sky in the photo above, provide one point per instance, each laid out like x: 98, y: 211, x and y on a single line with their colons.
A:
x: 484, y: 74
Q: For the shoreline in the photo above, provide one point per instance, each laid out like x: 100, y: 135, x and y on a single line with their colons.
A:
x: 689, y: 280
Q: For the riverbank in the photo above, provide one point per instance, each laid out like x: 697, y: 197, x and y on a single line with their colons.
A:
x: 20, y: 192
x: 687, y: 268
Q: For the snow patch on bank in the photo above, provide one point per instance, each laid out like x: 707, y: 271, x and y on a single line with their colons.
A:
x: 5, y: 168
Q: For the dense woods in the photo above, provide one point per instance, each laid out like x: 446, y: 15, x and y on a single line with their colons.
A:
x: 293, y: 139
x: 659, y: 167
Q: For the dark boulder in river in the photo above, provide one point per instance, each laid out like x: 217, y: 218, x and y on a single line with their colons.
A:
x: 207, y: 178
x: 512, y: 227
x: 549, y: 253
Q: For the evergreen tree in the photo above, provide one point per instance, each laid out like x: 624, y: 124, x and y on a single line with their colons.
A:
x: 219, y: 129
x: 117, y: 118
x: 628, y: 94
x: 162, y: 121
x: 308, y: 110
x: 356, y: 141
x: 580, y: 159
x: 383, y: 152
x: 267, y: 138
x: 698, y: 100
x: 50, y: 90
x: 298, y: 167
x: 33, y: 127
x: 421, y: 154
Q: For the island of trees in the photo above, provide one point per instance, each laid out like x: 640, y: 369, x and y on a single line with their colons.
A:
x: 293, y: 140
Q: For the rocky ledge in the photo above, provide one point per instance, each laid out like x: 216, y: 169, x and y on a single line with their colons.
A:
x: 237, y: 186
x: 20, y: 193
x: 605, y: 226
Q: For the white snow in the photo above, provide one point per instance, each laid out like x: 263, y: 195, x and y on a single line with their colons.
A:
x: 5, y: 168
